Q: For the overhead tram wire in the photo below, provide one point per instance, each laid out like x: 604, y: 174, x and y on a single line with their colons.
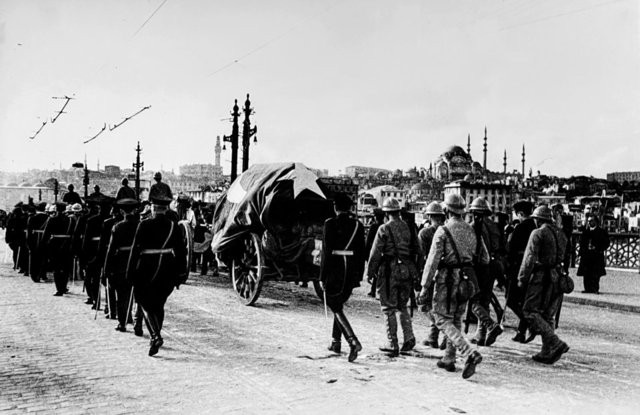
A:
x: 149, y: 18
x: 276, y: 38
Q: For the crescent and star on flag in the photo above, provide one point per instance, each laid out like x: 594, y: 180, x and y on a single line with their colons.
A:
x: 303, y: 179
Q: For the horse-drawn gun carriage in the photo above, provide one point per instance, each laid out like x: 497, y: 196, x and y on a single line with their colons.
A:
x: 269, y: 224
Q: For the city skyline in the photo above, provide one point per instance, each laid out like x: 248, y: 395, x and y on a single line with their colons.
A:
x: 333, y: 84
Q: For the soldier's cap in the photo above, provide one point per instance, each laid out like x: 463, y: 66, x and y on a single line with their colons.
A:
x: 543, y: 212
x: 342, y: 201
x: 160, y: 199
x: 523, y: 205
x: 41, y: 207
x: 77, y: 207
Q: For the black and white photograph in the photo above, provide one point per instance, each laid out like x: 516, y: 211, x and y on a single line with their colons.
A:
x: 319, y: 207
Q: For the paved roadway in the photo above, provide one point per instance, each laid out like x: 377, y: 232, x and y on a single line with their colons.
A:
x: 223, y: 357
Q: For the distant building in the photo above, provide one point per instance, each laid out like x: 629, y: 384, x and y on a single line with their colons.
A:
x: 10, y: 195
x: 210, y: 171
x: 455, y: 164
x: 357, y: 171
x: 497, y: 195
x: 112, y: 171
x: 622, y: 176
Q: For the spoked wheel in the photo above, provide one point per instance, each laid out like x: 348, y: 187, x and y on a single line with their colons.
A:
x: 187, y: 238
x: 247, y: 271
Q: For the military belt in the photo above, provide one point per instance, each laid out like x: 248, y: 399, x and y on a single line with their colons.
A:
x: 39, y: 231
x: 156, y: 251
x: 60, y: 236
x: 124, y: 248
x: 95, y: 239
x: 341, y: 252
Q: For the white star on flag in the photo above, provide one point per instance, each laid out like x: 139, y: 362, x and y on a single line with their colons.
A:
x: 303, y: 178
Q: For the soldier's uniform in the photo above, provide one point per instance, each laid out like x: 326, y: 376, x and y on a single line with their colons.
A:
x: 116, y: 258
x: 35, y: 230
x: 105, y: 235
x: 156, y: 265
x: 425, y: 239
x: 487, y: 232
x: 341, y: 270
x: 444, y: 270
x: 392, y: 247
x: 90, y: 245
x: 57, y: 236
x: 515, y: 250
x: 538, y: 277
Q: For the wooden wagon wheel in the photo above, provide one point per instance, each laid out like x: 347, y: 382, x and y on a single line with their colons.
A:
x: 187, y: 237
x: 318, y: 289
x: 247, y: 270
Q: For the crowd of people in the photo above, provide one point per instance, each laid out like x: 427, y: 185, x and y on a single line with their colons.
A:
x: 447, y: 267
x: 133, y: 251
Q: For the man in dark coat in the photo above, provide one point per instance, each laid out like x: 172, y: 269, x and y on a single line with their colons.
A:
x: 538, y: 278
x: 378, y: 216
x: 71, y: 197
x: 35, y: 229
x: 487, y: 232
x: 157, y: 264
x: 90, y: 245
x: 159, y: 189
x: 57, y: 236
x: 115, y: 265
x: 105, y: 235
x: 594, y: 241
x: 125, y: 192
x: 516, y: 245
x: 341, y: 269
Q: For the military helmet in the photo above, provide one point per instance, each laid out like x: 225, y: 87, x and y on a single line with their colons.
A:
x: 454, y: 203
x: 480, y: 204
x: 434, y: 208
x: 543, y: 212
x: 391, y: 204
x: 77, y: 207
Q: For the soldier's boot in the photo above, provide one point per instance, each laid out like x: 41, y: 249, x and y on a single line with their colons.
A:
x: 481, y: 334
x: 447, y: 362
x: 336, y: 336
x: 557, y: 350
x: 472, y: 361
x: 432, y: 337
x: 407, y: 331
x: 543, y: 355
x: 443, y: 343
x: 391, y: 324
x: 354, y: 344
x: 521, y: 331
x: 484, y: 319
x: 205, y: 268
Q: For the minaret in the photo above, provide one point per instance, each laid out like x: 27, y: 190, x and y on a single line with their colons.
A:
x: 218, y: 150
x: 98, y: 166
x: 523, y: 162
x: 504, y: 165
x: 469, y: 144
x: 431, y: 170
x: 484, y: 163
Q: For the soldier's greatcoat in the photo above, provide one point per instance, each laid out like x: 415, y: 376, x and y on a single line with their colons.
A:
x: 57, y: 236
x: 35, y: 229
x: 343, y: 257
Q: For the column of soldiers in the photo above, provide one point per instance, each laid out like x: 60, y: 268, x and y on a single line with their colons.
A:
x: 457, y: 265
x: 107, y: 245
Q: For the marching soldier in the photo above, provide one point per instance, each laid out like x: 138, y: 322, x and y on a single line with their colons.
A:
x: 57, y: 234
x: 90, y: 245
x: 436, y: 219
x: 156, y: 265
x: 115, y: 265
x: 487, y: 233
x: 538, y: 278
x: 159, y: 187
x: 105, y: 235
x: 341, y: 270
x: 390, y: 261
x: 35, y: 229
x: 515, y: 251
x: 450, y: 261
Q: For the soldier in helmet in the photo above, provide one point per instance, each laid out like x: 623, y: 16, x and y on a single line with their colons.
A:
x: 159, y: 189
x: 390, y: 261
x: 486, y: 232
x: 341, y: 269
x: 35, y: 229
x: 516, y: 245
x: 57, y: 235
x: 538, y: 278
x: 156, y: 265
x: 449, y: 263
x: 436, y: 216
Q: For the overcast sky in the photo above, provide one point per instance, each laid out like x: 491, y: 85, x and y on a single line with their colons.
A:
x: 377, y: 83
